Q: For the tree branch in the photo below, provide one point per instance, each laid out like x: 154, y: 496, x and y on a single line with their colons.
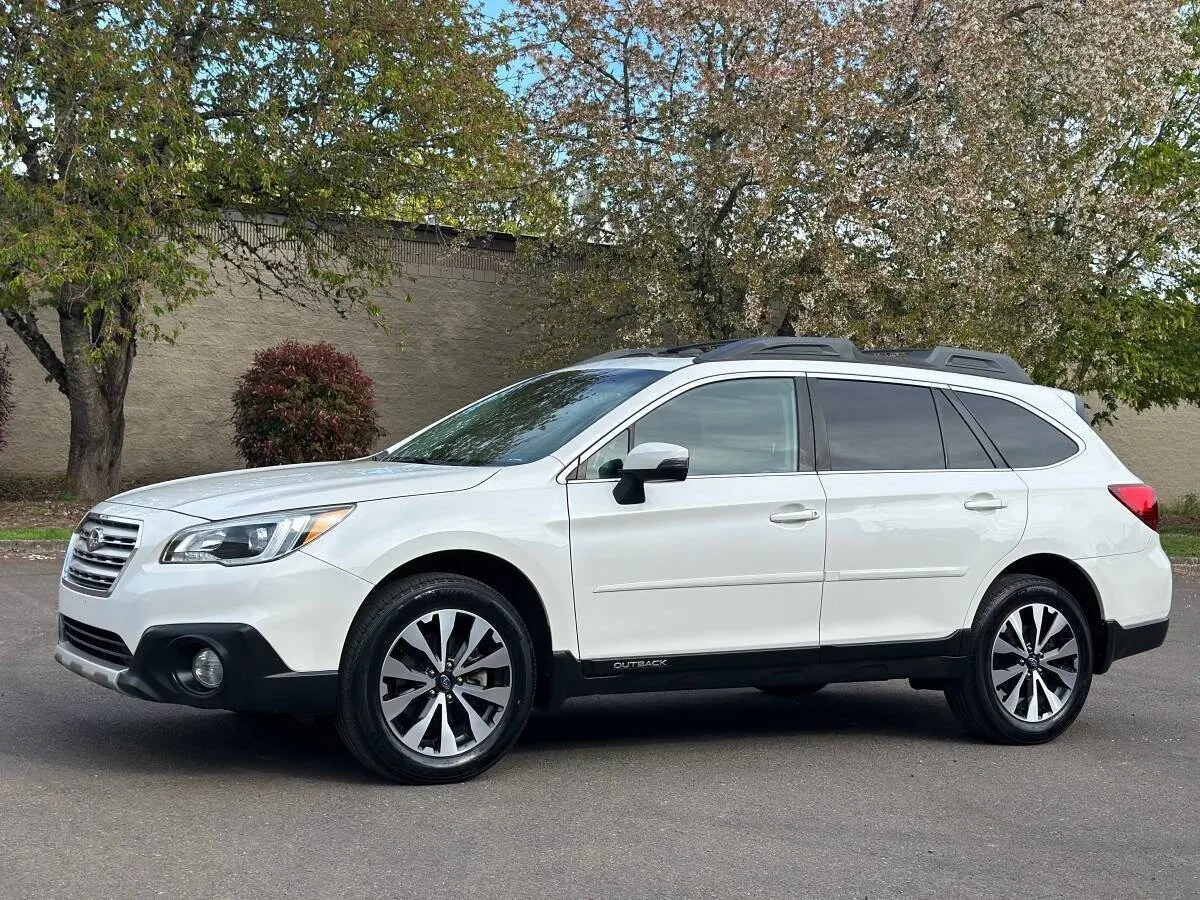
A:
x: 26, y: 329
x: 1018, y: 12
x: 734, y: 192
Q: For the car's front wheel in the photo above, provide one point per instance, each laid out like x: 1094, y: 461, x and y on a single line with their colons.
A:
x: 1029, y: 663
x: 437, y: 680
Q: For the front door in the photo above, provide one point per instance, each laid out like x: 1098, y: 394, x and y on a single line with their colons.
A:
x: 732, y: 558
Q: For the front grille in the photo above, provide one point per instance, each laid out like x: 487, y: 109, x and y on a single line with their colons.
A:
x: 96, y: 642
x: 99, y: 551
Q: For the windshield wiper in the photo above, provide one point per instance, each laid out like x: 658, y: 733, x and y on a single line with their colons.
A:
x: 428, y: 461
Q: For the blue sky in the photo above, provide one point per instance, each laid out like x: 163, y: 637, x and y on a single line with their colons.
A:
x: 494, y: 7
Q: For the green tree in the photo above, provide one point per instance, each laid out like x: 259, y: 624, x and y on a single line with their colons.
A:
x: 1013, y: 176
x: 131, y: 134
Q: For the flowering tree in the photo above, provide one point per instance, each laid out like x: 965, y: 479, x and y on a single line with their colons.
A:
x: 129, y: 131
x: 1015, y: 176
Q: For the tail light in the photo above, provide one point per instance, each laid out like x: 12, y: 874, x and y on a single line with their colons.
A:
x: 1139, y: 499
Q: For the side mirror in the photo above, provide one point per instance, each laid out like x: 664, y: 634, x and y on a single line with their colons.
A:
x: 649, y: 462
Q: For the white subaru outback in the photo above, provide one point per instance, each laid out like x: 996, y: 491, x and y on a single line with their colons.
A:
x: 778, y: 513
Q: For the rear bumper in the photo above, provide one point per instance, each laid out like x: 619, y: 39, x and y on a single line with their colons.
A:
x: 1121, y: 642
x: 256, y: 679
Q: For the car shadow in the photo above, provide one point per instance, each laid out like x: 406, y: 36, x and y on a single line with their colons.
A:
x: 744, y: 715
x: 179, y: 742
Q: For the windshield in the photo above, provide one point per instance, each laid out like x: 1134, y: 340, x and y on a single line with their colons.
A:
x: 525, y: 422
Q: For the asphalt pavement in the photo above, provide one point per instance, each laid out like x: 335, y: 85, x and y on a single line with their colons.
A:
x: 861, y: 791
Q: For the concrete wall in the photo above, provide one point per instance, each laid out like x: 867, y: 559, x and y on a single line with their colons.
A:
x: 1162, y: 446
x: 457, y: 339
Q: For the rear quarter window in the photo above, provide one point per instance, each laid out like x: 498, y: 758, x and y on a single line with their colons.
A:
x: 1025, y: 440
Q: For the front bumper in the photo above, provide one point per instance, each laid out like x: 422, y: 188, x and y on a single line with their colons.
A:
x: 300, y: 605
x: 278, y: 627
x: 105, y: 674
x: 256, y: 679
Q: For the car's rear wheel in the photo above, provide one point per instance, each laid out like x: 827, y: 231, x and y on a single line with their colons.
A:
x: 437, y: 680
x: 1029, y: 663
x: 790, y: 690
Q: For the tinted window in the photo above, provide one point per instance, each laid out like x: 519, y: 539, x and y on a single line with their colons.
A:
x: 874, y: 426
x: 600, y: 463
x: 963, y: 450
x: 1023, y: 439
x: 741, y: 427
x: 526, y: 421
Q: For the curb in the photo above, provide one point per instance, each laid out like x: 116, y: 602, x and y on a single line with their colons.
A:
x: 56, y: 548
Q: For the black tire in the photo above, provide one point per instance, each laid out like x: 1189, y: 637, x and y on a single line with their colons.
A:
x: 974, y: 699
x: 360, y: 718
x: 793, y: 691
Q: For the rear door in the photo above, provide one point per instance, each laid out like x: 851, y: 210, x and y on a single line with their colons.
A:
x: 919, y: 508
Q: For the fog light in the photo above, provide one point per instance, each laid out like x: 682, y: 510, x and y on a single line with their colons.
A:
x: 207, y: 669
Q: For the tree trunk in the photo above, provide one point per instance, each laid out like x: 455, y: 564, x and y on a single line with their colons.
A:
x: 96, y: 393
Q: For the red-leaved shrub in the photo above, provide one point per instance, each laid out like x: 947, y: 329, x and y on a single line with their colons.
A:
x: 303, y: 403
x: 6, y: 404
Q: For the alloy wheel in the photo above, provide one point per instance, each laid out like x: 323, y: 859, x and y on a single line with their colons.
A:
x: 1035, y: 663
x: 445, y: 682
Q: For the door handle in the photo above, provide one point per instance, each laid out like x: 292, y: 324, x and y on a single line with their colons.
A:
x: 793, y: 516
x: 984, y: 502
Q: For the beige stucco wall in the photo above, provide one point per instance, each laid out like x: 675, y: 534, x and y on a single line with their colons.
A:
x: 458, y: 338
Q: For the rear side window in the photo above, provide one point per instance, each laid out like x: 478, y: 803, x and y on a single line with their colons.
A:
x: 873, y: 426
x: 1025, y: 440
x: 963, y: 450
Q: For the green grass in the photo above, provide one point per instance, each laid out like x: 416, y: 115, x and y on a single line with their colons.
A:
x: 35, y: 534
x: 1181, y: 543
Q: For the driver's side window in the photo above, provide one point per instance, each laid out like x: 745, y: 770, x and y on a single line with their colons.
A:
x: 744, y: 426
x: 604, y: 463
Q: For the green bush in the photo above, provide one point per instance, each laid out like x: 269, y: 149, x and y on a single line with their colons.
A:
x: 303, y: 403
x: 1187, y: 506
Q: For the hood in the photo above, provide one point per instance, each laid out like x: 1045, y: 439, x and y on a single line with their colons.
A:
x: 247, y: 492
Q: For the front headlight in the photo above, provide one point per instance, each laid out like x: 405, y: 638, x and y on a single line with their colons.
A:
x: 253, y: 539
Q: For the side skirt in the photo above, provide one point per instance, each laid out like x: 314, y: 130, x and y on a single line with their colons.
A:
x: 923, y: 660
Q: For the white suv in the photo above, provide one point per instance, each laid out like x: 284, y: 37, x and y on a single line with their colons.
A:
x: 777, y: 513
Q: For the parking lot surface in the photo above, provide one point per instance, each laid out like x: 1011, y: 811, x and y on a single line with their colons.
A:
x: 861, y: 791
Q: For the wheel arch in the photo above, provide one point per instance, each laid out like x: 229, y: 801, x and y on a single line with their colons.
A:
x: 506, y: 578
x: 1077, y: 582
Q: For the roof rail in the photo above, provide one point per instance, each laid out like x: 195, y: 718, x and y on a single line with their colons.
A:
x: 680, y: 350
x: 953, y: 359
x: 940, y: 358
x: 838, y: 349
